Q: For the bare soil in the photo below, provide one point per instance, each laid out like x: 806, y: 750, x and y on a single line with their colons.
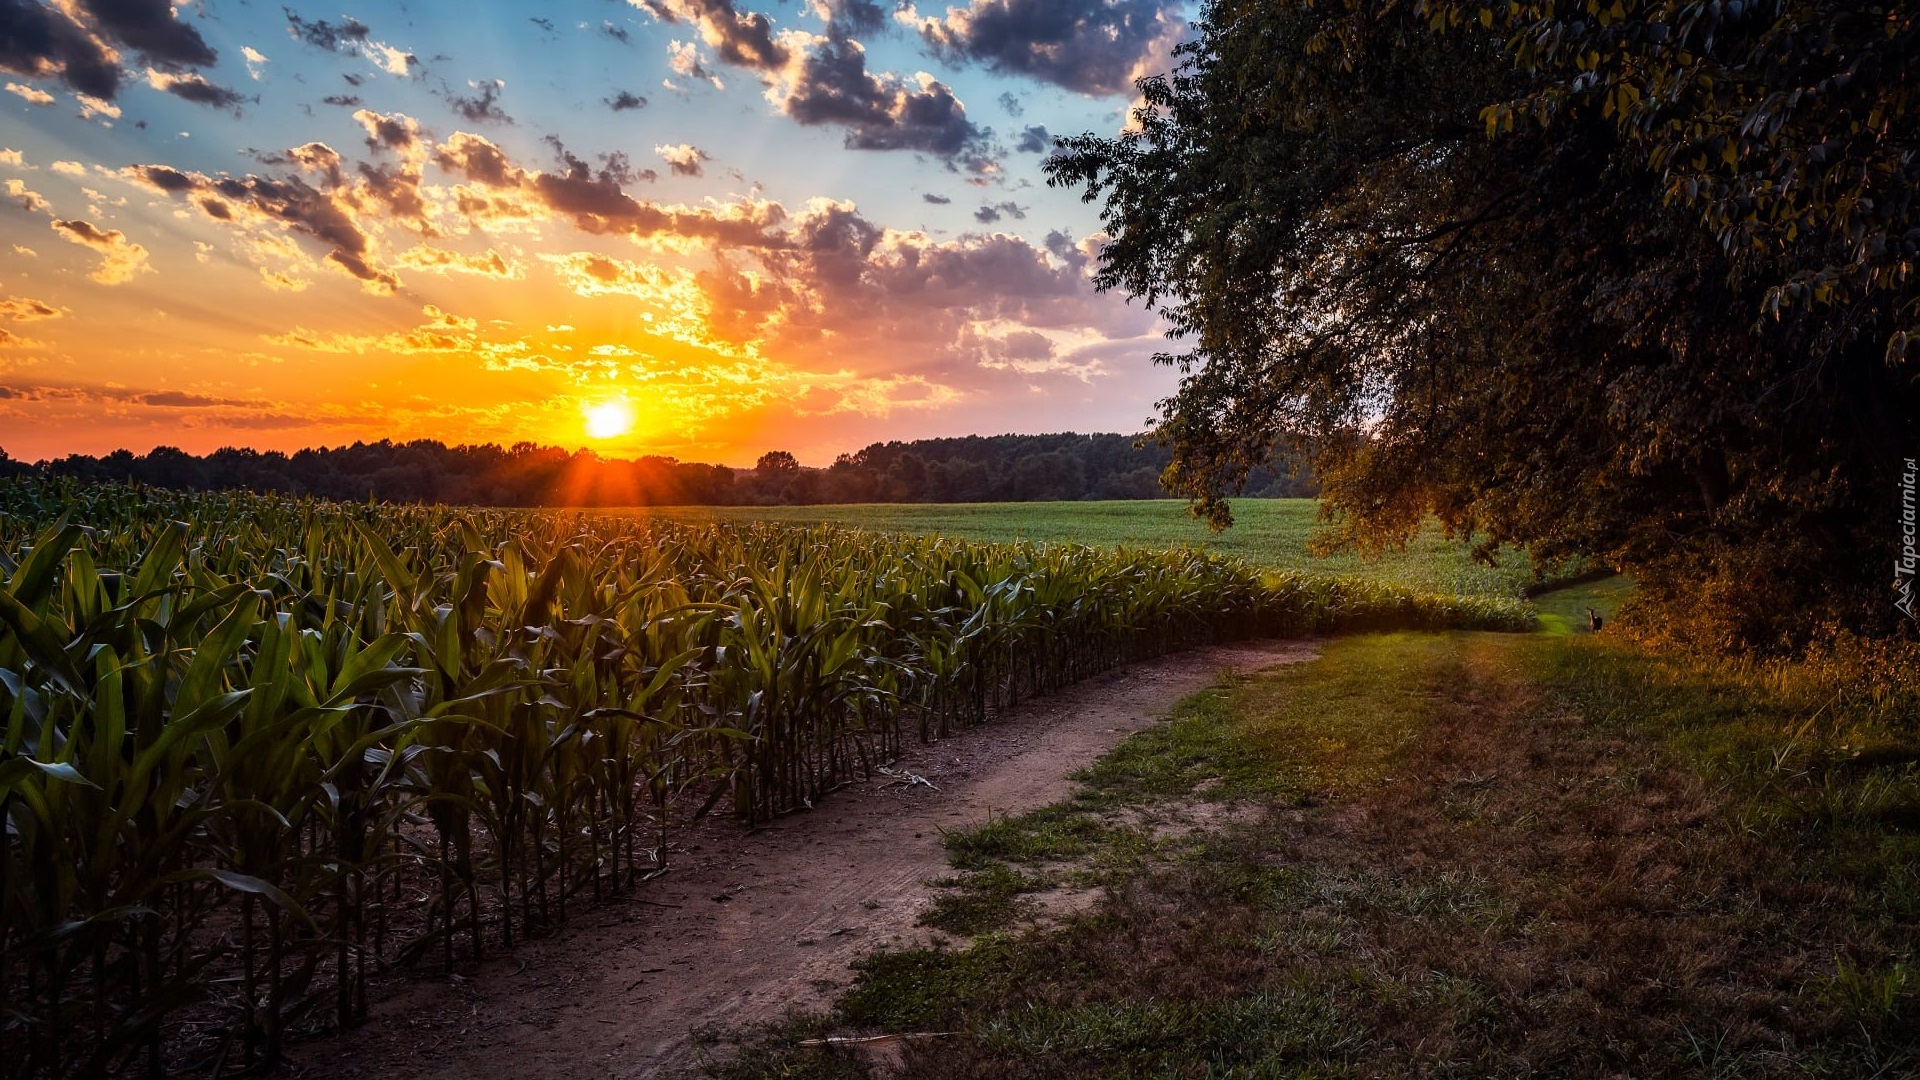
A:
x: 750, y: 923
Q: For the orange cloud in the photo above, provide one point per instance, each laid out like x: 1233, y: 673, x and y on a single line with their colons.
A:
x: 488, y: 263
x: 120, y: 259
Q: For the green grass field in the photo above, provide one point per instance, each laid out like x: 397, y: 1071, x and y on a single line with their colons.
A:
x: 1272, y: 533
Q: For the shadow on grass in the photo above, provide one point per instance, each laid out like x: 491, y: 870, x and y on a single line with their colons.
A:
x: 1474, y: 855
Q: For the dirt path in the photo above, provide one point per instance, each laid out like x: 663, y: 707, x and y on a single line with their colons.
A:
x: 748, y: 924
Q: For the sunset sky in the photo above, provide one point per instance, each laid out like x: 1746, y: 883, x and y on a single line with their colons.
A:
x: 738, y: 225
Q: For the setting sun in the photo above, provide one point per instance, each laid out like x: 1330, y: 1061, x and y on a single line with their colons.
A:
x: 609, y: 419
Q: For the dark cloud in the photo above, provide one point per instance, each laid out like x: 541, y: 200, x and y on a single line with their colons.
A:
x: 989, y: 214
x: 1012, y: 104
x: 625, y: 100
x: 742, y: 38
x: 320, y: 34
x: 352, y: 79
x: 87, y: 232
x: 848, y: 17
x: 345, y: 101
x: 44, y: 40
x: 290, y: 200
x: 615, y: 166
x: 937, y: 200
x: 618, y: 33
x: 165, y: 399
x: 178, y: 399
x: 832, y: 85
x: 148, y: 26
x: 544, y: 24
x: 395, y: 132
x: 878, y: 294
x: 1096, y: 47
x: 27, y: 309
x: 483, y: 107
x: 40, y: 42
x: 120, y: 258
x: 168, y: 181
x: 1034, y: 140
x: 1063, y: 247
x: 191, y: 87
x: 593, y: 198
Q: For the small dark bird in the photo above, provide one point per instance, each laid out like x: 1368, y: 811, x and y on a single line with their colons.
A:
x: 1594, y: 620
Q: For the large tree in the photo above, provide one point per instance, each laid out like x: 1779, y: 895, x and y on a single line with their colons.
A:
x: 1630, y: 280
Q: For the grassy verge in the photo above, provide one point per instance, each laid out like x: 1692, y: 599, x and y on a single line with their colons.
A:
x: 1451, y: 855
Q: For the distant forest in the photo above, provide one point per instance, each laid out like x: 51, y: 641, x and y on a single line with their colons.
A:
x: 998, y: 468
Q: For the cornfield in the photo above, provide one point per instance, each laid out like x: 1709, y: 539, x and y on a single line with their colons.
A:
x: 256, y: 748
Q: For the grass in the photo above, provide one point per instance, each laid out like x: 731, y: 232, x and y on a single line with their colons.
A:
x: 1455, y: 855
x: 1564, y: 610
x: 1271, y: 533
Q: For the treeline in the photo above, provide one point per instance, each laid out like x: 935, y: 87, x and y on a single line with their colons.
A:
x: 1000, y: 468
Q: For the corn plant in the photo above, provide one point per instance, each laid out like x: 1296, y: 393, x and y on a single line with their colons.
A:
x: 257, y: 747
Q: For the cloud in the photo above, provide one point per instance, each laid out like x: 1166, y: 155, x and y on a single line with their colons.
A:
x: 24, y: 309
x: 589, y: 273
x: 742, y: 38
x: 32, y: 95
x: 39, y: 41
x: 347, y: 37
x: 190, y: 86
x: 398, y: 132
x: 1093, y: 47
x: 831, y: 85
x: 987, y: 215
x: 625, y: 100
x: 483, y: 107
x: 684, y: 159
x: 256, y: 61
x: 813, y: 309
x: 619, y: 33
x: 91, y: 107
x: 280, y: 282
x: 1011, y: 102
x: 857, y: 295
x: 1034, y: 140
x: 27, y: 199
x: 150, y: 28
x: 75, y: 41
x: 119, y: 395
x: 68, y: 168
x: 937, y: 200
x: 441, y: 334
x: 848, y: 17
x: 27, y: 309
x: 351, y: 37
x: 120, y: 259
x: 325, y: 214
x: 345, y: 101
x: 593, y: 199
x: 10, y: 156
x: 489, y: 263
x: 684, y: 60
